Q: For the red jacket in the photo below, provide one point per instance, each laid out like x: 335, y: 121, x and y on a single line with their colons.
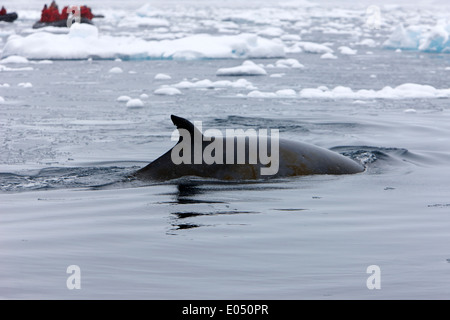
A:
x: 3, y: 11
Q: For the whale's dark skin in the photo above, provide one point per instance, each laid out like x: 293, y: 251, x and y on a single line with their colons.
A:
x: 295, y: 159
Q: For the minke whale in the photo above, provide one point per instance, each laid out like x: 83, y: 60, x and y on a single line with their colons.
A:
x: 242, y: 156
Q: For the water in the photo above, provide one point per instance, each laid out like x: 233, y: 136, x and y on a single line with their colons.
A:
x: 68, y: 148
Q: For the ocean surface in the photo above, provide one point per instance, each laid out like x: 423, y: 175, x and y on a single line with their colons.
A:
x: 68, y: 147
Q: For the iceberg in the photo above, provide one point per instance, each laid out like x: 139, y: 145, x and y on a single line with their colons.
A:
x: 421, y: 38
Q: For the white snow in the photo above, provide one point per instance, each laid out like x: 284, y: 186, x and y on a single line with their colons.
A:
x: 167, y: 91
x: 5, y: 85
x: 115, y: 70
x: 347, y: 51
x: 84, y: 42
x: 2, y: 100
x: 328, y: 55
x: 162, y: 76
x: 123, y: 98
x: 248, y: 68
x: 134, y: 103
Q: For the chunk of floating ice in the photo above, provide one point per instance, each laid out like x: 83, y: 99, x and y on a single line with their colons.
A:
x: 410, y: 111
x: 2, y: 100
x: 5, y: 85
x: 404, y: 91
x: 14, y: 59
x: 134, y: 103
x: 312, y: 47
x: 82, y: 30
x: 286, y: 93
x: 167, y: 91
x: 206, y: 83
x: 25, y: 85
x: 347, y: 51
x: 162, y: 76
x: 271, y: 32
x: 420, y: 37
x: 289, y: 63
x: 83, y: 42
x: 277, y: 75
x: 45, y: 62
x: 5, y: 68
x: 259, y: 94
x: 115, y: 70
x: 368, y: 43
x: 290, y: 37
x: 328, y: 55
x: 143, y: 96
x: 248, y: 68
x: 123, y: 98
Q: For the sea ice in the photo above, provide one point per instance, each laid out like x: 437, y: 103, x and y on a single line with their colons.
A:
x: 347, y: 51
x: 14, y: 59
x: 167, y: 91
x: 312, y: 47
x: 85, y: 42
x: 328, y: 55
x: 123, y: 98
x: 135, y: 103
x: 25, y: 85
x: 248, y: 68
x: 206, y: 83
x: 289, y: 63
x: 162, y: 76
x: 116, y: 70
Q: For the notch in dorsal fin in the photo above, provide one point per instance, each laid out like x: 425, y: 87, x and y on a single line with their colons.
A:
x: 182, y: 123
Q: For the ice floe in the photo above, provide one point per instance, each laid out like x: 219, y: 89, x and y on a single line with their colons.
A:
x: 167, y: 91
x: 404, y: 91
x: 248, y: 68
x: 162, y: 76
x: 206, y: 83
x: 84, y: 42
x: 135, y: 103
x: 347, y: 51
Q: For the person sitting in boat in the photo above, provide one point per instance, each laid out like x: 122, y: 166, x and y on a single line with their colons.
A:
x: 3, y: 11
x: 45, y: 14
x: 86, y: 12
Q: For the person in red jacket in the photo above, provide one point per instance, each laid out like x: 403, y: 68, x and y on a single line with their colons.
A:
x: 44, y: 14
x: 64, y: 15
x: 3, y: 11
x: 54, y: 12
x: 86, y: 12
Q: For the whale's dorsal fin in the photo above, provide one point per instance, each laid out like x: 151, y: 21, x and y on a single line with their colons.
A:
x: 182, y: 123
